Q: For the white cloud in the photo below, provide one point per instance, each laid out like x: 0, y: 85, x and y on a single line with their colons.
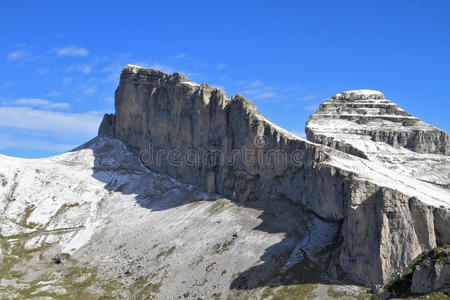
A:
x: 162, y: 68
x: 72, y: 51
x: 180, y: 56
x: 48, y: 122
x: 90, y: 90
x: 256, y: 83
x: 42, y: 103
x: 221, y: 66
x: 54, y: 94
x: 256, y: 90
x: 83, y: 68
x: 66, y: 80
x: 309, y: 97
x: 311, y: 107
x: 264, y: 95
x: 17, y: 55
x: 259, y: 94
x: 27, y: 143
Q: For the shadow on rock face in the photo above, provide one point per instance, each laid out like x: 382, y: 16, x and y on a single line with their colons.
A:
x: 306, y: 243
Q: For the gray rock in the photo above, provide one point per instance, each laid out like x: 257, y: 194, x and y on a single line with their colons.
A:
x: 429, y: 277
x: 441, y: 222
x: 106, y: 128
x: 378, y: 118
x: 167, y: 118
x: 429, y: 273
x: 365, y: 124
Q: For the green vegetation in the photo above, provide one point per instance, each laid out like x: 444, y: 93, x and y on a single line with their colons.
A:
x: 336, y: 294
x: 300, y: 291
x: 290, y: 292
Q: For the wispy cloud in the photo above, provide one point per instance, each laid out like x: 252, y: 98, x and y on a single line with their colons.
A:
x: 256, y: 90
x: 41, y: 103
x: 221, y: 66
x: 218, y: 86
x: 162, y: 68
x: 66, y: 80
x: 308, y: 97
x: 181, y: 56
x: 17, y: 55
x: 27, y: 143
x: 72, y: 51
x: 90, y: 90
x: 83, y: 68
x: 264, y: 95
x: 49, y: 122
x: 311, y: 107
x: 54, y: 94
x: 255, y: 83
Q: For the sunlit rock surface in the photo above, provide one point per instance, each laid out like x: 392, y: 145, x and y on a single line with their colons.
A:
x: 387, y: 217
x: 365, y: 124
x: 100, y: 222
x: 94, y: 222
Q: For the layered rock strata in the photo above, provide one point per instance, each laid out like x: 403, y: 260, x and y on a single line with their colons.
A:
x: 365, y: 124
x: 387, y: 219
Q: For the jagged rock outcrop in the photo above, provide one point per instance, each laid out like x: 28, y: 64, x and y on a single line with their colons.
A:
x: 432, y: 275
x: 365, y: 124
x: 378, y: 118
x: 430, y: 272
x: 199, y: 136
x: 106, y: 128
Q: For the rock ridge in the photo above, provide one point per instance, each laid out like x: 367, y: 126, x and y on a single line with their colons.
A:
x: 382, y: 120
x: 385, y: 223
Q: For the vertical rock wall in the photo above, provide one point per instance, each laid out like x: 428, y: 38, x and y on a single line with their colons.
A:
x: 174, y: 123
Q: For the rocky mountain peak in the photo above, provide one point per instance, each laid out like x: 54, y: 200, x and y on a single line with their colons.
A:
x: 364, y: 106
x: 188, y: 194
x: 154, y: 76
x: 358, y: 95
x: 366, y: 113
x: 366, y: 124
x: 169, y: 114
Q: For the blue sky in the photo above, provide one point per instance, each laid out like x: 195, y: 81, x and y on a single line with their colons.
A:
x: 60, y: 60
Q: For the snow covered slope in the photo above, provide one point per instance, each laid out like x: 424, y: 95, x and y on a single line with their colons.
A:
x: 94, y: 222
x: 365, y: 124
x: 387, y: 217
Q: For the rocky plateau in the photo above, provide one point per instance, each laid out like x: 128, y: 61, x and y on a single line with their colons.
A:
x: 189, y: 194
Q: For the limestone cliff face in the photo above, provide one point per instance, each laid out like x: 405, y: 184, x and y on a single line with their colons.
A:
x: 167, y: 113
x: 174, y: 123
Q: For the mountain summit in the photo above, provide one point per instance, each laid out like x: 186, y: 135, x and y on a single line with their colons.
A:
x: 187, y: 193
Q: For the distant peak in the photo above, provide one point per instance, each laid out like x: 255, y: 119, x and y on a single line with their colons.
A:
x: 134, y: 66
x: 358, y: 95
